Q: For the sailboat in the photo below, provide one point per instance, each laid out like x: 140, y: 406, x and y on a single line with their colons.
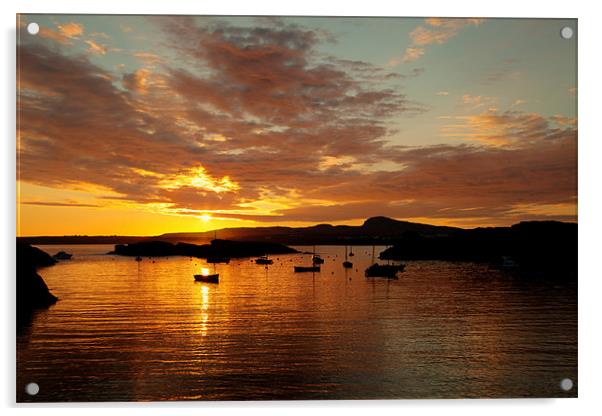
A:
x: 206, y: 277
x: 263, y: 260
x: 383, y: 270
x: 347, y: 264
x: 300, y: 269
x: 316, y: 259
x: 313, y: 267
x: 215, y: 258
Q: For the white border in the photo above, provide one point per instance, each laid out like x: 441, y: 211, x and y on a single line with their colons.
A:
x: 590, y: 209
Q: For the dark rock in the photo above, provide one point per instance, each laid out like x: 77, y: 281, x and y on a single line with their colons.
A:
x: 548, y: 246
x: 217, y: 248
x: 32, y: 292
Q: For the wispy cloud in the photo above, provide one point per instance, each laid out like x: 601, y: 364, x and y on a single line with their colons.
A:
x: 511, y: 128
x: 263, y: 115
x: 95, y: 47
x: 253, y: 123
x: 435, y: 31
x: 60, y: 204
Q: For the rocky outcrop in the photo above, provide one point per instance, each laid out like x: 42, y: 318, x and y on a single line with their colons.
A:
x: 217, y: 248
x: 32, y: 292
x: 548, y: 246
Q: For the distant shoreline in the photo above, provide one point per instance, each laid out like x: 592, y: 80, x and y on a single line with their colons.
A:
x: 374, y: 231
x: 534, y: 245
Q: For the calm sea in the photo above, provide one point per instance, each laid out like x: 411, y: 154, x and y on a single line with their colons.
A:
x: 126, y: 330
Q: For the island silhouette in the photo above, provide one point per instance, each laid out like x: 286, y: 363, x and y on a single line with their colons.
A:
x: 545, y: 247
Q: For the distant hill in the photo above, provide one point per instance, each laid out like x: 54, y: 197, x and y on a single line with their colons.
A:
x: 549, y: 246
x: 375, y: 230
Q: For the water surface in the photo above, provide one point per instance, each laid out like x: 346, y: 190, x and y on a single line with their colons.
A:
x: 126, y: 330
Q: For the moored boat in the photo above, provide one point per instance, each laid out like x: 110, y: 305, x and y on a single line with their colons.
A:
x: 207, y: 278
x: 300, y: 269
x: 263, y: 260
x: 347, y: 264
x: 384, y: 270
x: 317, y: 260
x: 218, y: 259
x: 388, y: 271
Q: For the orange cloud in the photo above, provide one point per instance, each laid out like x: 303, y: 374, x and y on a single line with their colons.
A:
x: 148, y: 58
x: 268, y: 132
x: 95, y: 47
x: 71, y: 30
x: 137, y: 81
x: 199, y: 178
x: 511, y: 128
x: 440, y: 30
x: 436, y: 31
x: 53, y: 35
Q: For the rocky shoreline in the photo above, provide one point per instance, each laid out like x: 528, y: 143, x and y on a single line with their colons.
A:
x: 217, y: 248
x: 32, y: 291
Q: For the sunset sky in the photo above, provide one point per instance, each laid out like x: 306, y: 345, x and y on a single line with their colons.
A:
x: 141, y: 125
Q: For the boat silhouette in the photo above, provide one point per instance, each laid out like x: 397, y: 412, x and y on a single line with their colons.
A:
x: 316, y: 259
x: 300, y: 269
x: 347, y: 264
x: 263, y: 260
x: 313, y: 267
x: 207, y: 278
x: 388, y: 271
x: 384, y: 270
x: 218, y: 259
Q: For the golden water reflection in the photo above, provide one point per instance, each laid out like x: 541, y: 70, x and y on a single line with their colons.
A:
x: 127, y: 330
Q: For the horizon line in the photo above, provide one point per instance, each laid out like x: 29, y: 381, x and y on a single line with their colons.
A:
x: 285, y: 226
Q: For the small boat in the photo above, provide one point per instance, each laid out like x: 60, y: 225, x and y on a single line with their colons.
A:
x: 263, y: 260
x: 61, y: 255
x: 218, y: 259
x: 207, y: 278
x: 347, y: 264
x: 316, y: 259
x: 301, y: 269
x: 138, y: 258
x: 384, y: 270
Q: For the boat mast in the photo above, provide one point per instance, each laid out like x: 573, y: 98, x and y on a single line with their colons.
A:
x: 373, y: 248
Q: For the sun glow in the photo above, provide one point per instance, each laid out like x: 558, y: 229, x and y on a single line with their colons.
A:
x: 199, y: 178
x: 205, y: 217
x: 205, y: 271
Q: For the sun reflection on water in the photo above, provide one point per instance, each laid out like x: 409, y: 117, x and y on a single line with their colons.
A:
x: 204, y: 308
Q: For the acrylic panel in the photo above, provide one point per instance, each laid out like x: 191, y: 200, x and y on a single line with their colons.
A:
x: 295, y: 208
